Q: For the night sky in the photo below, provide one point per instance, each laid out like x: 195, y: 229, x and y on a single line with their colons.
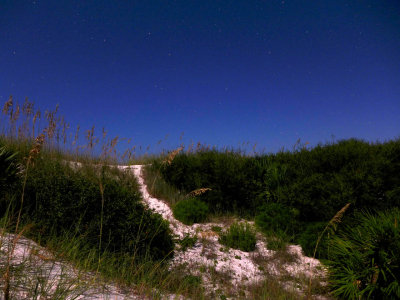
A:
x: 222, y: 72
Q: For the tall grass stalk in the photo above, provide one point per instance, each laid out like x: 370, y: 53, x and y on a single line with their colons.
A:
x: 101, y: 186
x: 167, y: 161
x: 337, y: 218
x: 33, y: 153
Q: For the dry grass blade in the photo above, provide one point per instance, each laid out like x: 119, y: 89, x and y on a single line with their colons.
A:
x: 52, y: 122
x: 32, y: 155
x: 198, y: 192
x: 8, y: 105
x: 172, y: 155
x: 76, y: 135
x: 6, y: 275
x: 15, y: 116
x: 34, y: 152
x: 90, y: 137
x: 337, y: 218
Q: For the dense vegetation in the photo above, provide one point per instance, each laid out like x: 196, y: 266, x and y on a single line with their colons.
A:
x: 95, y: 212
x: 88, y: 213
x: 295, y: 196
x: 239, y: 236
x: 190, y: 210
x: 300, y: 188
x: 364, y: 258
x: 60, y: 198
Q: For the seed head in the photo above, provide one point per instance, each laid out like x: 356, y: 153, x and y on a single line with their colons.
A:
x: 198, y: 192
x: 8, y: 105
x: 172, y: 155
x: 37, y: 147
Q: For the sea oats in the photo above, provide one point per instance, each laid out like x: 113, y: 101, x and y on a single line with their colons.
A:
x: 198, y: 192
x: 8, y: 105
x: 172, y: 155
x: 34, y: 152
x: 337, y: 218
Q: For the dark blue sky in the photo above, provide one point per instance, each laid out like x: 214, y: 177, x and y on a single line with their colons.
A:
x: 222, y: 72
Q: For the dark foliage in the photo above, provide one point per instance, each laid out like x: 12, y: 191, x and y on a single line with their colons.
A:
x: 187, y: 242
x: 364, y: 260
x: 8, y: 169
x: 59, y: 198
x: 275, y: 217
x: 239, y: 236
x: 308, y: 237
x: 224, y: 173
x: 190, y: 211
x: 315, y: 183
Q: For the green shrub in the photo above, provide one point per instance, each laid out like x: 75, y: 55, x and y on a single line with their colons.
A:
x: 59, y: 198
x: 239, y: 236
x: 276, y: 217
x: 223, y: 172
x: 364, y: 259
x: 317, y: 181
x: 307, y: 239
x: 217, y: 229
x: 9, y: 178
x: 158, y: 187
x: 190, y: 211
x: 277, y: 240
x: 187, y: 242
x: 8, y: 168
x: 192, y: 280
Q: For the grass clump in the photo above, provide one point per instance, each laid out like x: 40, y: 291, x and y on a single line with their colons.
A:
x: 307, y: 239
x: 271, y: 288
x: 216, y: 229
x: 278, y: 222
x: 187, y: 242
x: 239, y: 236
x: 277, y: 241
x: 9, y: 176
x: 276, y: 217
x: 158, y: 187
x: 364, y: 261
x: 8, y: 168
x: 190, y: 210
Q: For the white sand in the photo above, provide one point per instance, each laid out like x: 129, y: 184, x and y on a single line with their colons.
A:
x: 36, y: 268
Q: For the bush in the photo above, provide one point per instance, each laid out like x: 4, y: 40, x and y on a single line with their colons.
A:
x: 59, y: 198
x: 317, y: 182
x: 190, y: 211
x: 276, y: 217
x: 187, y: 242
x: 364, y: 259
x: 239, y: 236
x: 307, y: 239
x: 8, y: 169
x: 225, y: 173
x: 9, y: 178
